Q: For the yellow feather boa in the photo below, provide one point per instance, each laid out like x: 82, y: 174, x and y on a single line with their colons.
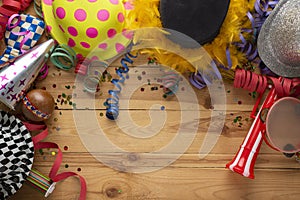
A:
x: 145, y: 13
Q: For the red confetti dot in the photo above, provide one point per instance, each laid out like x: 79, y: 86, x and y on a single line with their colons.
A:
x: 79, y: 169
x: 54, y: 85
x: 142, y: 89
x: 239, y: 102
x: 66, y: 148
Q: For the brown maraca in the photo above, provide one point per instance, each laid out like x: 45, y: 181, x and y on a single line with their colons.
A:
x: 37, y: 105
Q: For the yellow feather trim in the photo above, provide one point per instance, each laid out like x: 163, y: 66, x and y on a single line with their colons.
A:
x: 146, y: 14
x: 236, y: 19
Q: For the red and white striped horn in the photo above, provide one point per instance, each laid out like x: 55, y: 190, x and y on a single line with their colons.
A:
x: 244, y: 161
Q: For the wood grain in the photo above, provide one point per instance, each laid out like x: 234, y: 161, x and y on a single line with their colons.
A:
x: 188, y: 177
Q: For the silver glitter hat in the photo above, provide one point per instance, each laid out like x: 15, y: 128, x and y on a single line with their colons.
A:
x: 279, y: 39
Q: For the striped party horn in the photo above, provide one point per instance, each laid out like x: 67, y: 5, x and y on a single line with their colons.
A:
x: 244, y: 161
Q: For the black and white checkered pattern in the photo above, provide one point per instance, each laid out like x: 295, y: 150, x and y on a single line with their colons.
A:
x: 16, y: 154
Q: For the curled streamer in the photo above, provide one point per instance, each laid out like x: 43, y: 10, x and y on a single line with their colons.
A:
x: 262, y: 9
x: 197, y: 80
x: 254, y: 82
x: 8, y: 8
x: 43, y: 72
x: 38, y: 8
x: 94, y: 74
x: 170, y: 82
x: 63, y: 57
x: 112, y: 103
x: 250, y: 81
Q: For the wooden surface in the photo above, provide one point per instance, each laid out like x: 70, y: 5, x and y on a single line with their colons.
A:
x: 189, y: 177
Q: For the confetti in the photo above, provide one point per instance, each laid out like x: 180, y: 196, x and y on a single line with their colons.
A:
x: 41, y: 151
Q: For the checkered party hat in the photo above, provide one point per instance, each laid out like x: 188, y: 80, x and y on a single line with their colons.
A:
x: 16, y: 154
x: 16, y: 76
x: 21, y: 26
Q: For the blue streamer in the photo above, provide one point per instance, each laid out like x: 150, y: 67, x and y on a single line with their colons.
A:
x: 112, y: 103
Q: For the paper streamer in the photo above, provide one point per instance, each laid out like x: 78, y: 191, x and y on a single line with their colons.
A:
x: 112, y: 103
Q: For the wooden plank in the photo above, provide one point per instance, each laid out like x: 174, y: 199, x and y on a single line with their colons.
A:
x: 61, y: 82
x: 62, y: 130
x: 182, y: 183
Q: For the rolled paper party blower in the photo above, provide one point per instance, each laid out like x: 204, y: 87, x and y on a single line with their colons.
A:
x: 16, y: 76
x: 37, y: 105
x: 40, y: 182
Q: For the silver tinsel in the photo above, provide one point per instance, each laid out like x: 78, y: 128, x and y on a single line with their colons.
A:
x: 279, y: 40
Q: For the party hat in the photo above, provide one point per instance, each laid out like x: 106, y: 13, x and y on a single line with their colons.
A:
x: 16, y: 76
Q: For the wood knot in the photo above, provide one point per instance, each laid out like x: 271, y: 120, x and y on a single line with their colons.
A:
x: 112, y: 192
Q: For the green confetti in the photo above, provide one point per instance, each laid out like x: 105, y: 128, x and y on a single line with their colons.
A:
x: 41, y: 151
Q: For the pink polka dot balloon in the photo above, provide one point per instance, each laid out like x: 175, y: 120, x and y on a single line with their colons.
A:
x: 87, y: 25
